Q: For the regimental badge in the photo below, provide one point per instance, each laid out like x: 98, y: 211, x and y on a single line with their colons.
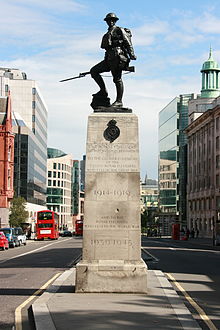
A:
x: 112, y: 132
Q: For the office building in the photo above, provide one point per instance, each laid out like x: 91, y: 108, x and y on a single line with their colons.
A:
x: 203, y: 133
x: 173, y: 119
x: 204, y: 173
x: 30, y: 128
x: 149, y: 193
x: 62, y: 186
x: 82, y: 173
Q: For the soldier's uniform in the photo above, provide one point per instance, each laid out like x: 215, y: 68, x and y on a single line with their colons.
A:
x: 119, y: 52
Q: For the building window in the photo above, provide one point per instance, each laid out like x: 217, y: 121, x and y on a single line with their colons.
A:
x: 217, y: 123
x: 217, y: 161
x: 9, y: 179
x: 49, y: 182
x: 217, y: 142
x: 218, y: 202
x: 54, y: 183
x: 33, y: 118
x: 34, y: 91
x: 9, y: 154
x: 54, y: 166
x: 33, y: 104
x: 54, y: 174
x: 58, y: 166
x: 217, y: 180
x: 49, y: 174
x: 58, y: 172
x: 6, y: 88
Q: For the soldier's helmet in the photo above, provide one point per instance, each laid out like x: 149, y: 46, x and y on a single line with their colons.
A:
x: 111, y: 16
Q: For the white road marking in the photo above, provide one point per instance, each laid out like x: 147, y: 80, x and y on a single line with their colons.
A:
x: 151, y: 255
x: 33, y: 251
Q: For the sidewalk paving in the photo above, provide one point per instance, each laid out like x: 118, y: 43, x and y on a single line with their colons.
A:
x: 60, y: 308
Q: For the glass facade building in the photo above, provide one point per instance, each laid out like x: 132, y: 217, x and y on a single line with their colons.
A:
x: 30, y: 128
x: 28, y: 183
x: 182, y: 175
x: 168, y: 157
x: 173, y: 119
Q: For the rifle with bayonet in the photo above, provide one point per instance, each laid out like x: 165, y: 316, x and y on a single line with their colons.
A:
x: 83, y: 74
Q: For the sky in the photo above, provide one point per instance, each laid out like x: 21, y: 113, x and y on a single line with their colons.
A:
x: 54, y: 40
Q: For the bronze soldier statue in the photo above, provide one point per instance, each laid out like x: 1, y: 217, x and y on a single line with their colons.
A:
x: 119, y: 51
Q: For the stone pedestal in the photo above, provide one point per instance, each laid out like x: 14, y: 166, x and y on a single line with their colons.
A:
x: 111, y: 259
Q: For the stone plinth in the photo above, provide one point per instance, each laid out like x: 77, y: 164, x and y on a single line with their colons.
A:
x: 111, y: 259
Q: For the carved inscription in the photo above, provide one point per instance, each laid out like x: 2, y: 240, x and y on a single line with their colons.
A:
x: 111, y: 242
x: 103, y: 157
x: 111, y: 226
x: 109, y: 192
x: 120, y: 147
x: 112, y: 222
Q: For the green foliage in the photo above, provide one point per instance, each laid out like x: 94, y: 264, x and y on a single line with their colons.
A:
x: 18, y: 214
x: 148, y: 219
x: 144, y: 218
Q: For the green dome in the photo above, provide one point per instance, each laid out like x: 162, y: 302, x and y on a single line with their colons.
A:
x: 210, y: 78
x: 210, y: 64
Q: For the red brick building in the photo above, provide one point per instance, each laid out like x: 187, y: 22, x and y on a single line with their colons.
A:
x: 6, y: 159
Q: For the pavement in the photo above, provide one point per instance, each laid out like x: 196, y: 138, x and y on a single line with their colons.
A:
x: 61, y: 308
x: 161, y: 308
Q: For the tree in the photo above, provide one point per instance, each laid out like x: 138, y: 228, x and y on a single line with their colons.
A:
x: 144, y: 218
x: 18, y: 214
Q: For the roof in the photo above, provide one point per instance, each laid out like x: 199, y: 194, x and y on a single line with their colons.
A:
x: 210, y: 64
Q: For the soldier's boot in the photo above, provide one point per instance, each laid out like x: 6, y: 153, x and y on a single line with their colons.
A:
x: 120, y: 90
x: 98, y: 79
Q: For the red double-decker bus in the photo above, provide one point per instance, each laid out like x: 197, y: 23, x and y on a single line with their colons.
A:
x: 47, y: 225
x: 78, y: 227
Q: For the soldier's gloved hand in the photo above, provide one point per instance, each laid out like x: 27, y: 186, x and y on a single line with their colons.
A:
x: 133, y: 57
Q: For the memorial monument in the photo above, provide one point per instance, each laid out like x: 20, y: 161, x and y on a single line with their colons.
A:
x: 111, y: 259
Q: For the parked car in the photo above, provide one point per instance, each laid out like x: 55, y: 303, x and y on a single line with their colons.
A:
x: 11, y: 236
x: 22, y: 238
x: 3, y: 241
x: 66, y: 233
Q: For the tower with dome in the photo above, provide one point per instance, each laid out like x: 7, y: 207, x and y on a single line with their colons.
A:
x: 210, y: 78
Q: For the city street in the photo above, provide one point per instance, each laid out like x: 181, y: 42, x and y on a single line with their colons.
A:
x: 192, y: 267
x: 195, y: 268
x: 25, y: 269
